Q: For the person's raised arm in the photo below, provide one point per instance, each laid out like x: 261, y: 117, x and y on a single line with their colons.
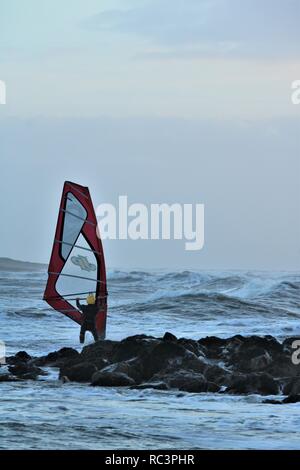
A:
x: 78, y: 305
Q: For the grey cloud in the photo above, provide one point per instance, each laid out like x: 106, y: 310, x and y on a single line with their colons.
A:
x: 252, y: 28
x: 246, y: 174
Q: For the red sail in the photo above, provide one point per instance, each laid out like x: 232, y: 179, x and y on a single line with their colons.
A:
x: 77, y: 265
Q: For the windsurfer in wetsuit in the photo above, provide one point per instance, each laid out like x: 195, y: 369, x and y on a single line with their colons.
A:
x: 89, y: 313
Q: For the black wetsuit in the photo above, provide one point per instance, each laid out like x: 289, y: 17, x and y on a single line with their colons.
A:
x: 89, y: 313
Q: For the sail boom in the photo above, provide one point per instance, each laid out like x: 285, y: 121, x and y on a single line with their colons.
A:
x: 78, y: 246
x: 76, y: 277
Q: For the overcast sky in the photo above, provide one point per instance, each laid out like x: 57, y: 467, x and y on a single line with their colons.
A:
x: 161, y: 100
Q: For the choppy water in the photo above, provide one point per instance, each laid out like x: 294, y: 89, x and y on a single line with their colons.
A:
x: 50, y: 415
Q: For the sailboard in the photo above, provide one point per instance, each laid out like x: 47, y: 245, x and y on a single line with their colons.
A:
x: 77, y: 265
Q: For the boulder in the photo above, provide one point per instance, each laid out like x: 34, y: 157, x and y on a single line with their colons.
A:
x: 26, y: 371
x: 111, y: 379
x: 218, y: 375
x: 57, y: 358
x: 134, y: 346
x: 132, y: 368
x: 102, y: 349
x: 213, y: 346
x: 191, y: 362
x: 193, y: 346
x: 254, y: 383
x: 183, y: 380
x: 288, y: 400
x: 169, y: 337
x: 158, y: 385
x: 292, y: 387
x: 81, y: 372
x: 8, y: 378
x: 159, y: 356
x: 21, y: 356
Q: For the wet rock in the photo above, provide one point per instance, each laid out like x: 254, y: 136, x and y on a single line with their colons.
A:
x: 255, y: 360
x: 292, y: 387
x: 132, y: 368
x: 288, y: 343
x: 8, y: 378
x: 102, y: 349
x: 26, y: 371
x: 81, y: 372
x: 21, y: 356
x: 134, y: 346
x: 213, y: 346
x: 254, y: 383
x: 158, y: 385
x: 218, y: 375
x: 187, y: 381
x: 193, y: 346
x: 159, y: 356
x: 237, y: 364
x: 288, y: 400
x: 212, y: 387
x: 100, y: 363
x: 191, y: 362
x: 57, y: 358
x: 261, y: 362
x: 111, y: 379
x: 291, y: 399
x: 282, y: 366
x: 272, y: 402
x: 240, y: 351
x: 169, y: 337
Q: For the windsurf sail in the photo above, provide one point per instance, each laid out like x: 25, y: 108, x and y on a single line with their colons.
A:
x: 77, y: 266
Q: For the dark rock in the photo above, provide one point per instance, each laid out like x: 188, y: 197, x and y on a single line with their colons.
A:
x: 287, y: 400
x: 292, y: 387
x: 272, y: 402
x: 159, y: 356
x: 159, y: 385
x: 191, y: 362
x: 282, y: 366
x: 8, y: 378
x: 169, y: 337
x: 57, y: 358
x: 218, y: 375
x: 288, y: 342
x: 134, y: 346
x: 254, y: 383
x: 213, y: 346
x: 81, y: 372
x: 187, y: 381
x: 261, y: 362
x: 240, y: 350
x: 102, y: 349
x: 23, y: 356
x: 132, y: 368
x: 100, y: 363
x: 212, y: 387
x: 26, y: 371
x: 291, y: 399
x: 111, y: 379
x: 193, y: 346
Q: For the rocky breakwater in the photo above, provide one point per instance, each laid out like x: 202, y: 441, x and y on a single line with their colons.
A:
x: 236, y: 365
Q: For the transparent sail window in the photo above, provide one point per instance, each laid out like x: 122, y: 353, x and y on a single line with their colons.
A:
x: 74, y: 218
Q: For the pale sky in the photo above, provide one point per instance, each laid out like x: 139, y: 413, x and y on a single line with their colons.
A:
x: 165, y: 101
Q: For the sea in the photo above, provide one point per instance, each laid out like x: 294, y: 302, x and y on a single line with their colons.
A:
x: 49, y: 414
